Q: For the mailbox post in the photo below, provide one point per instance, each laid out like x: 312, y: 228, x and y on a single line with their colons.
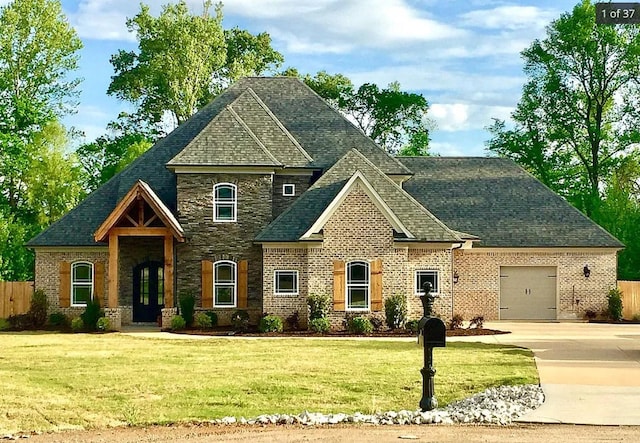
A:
x: 434, y: 335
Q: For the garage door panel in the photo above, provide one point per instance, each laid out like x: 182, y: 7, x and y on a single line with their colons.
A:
x: 528, y: 292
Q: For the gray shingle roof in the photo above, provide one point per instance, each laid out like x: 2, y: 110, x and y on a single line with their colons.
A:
x: 323, y: 133
x: 299, y: 217
x: 498, y: 201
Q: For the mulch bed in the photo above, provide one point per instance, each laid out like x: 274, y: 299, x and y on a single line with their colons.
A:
x: 223, y: 331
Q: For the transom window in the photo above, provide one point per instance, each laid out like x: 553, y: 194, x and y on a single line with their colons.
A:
x: 289, y: 190
x: 286, y: 283
x: 358, y: 285
x: 224, y: 284
x: 225, y: 202
x: 423, y: 276
x: 81, y: 283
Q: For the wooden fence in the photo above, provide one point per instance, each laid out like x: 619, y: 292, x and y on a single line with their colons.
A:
x: 15, y: 297
x: 630, y: 298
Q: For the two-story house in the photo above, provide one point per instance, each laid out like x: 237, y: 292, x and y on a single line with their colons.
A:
x: 268, y: 195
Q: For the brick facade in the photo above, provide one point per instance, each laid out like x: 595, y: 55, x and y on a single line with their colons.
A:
x: 208, y: 240
x: 47, y: 274
x: 478, y: 288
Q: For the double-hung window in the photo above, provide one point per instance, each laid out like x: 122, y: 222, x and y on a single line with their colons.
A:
x: 424, y: 276
x: 225, y: 202
x: 358, y: 285
x: 81, y: 283
x: 224, y: 284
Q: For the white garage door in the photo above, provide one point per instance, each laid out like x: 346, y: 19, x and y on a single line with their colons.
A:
x: 527, y: 292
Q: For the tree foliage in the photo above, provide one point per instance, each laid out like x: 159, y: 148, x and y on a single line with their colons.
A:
x: 395, y: 119
x: 184, y: 60
x: 38, y: 54
x: 127, y: 138
x: 578, y: 114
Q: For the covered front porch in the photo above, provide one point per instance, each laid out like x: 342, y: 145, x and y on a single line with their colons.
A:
x: 141, y: 233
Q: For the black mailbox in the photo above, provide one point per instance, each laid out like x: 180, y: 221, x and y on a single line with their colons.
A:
x: 434, y: 332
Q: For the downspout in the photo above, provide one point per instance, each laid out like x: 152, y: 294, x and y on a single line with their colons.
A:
x: 451, y: 276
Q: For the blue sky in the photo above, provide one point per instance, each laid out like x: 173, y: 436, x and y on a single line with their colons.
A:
x: 463, y: 56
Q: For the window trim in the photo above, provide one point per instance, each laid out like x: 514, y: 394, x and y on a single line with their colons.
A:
x: 287, y: 271
x: 233, y: 203
x: 289, y: 194
x: 74, y: 284
x: 357, y: 285
x: 235, y: 284
x: 418, y: 291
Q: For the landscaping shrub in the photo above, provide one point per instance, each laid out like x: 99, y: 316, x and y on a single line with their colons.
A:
x: 614, y: 304
x: 202, y: 321
x: 476, y: 322
x: 590, y: 315
x: 270, y: 323
x: 293, y: 321
x: 4, y: 324
x: 376, y: 323
x: 456, y: 322
x: 359, y: 325
x: 91, y: 314
x: 636, y: 318
x: 320, y: 325
x: 187, y: 305
x: 240, y: 320
x: 58, y: 320
x: 20, y: 322
x: 412, y: 325
x: 213, y: 317
x: 103, y: 324
x: 77, y: 324
x: 178, y: 323
x: 38, y: 308
x: 319, y: 305
x: 395, y: 311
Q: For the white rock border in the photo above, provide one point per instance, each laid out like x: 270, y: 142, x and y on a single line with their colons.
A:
x: 501, y: 406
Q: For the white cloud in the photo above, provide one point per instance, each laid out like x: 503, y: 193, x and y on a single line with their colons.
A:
x: 510, y: 18
x: 453, y: 117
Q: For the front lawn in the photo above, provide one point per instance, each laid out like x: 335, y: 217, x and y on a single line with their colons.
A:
x: 54, y: 381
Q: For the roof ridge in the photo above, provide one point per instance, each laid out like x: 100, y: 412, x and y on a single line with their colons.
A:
x: 250, y: 132
x: 409, y: 196
x: 276, y: 120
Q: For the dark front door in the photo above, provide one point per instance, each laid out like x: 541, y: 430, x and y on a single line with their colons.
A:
x: 148, y: 291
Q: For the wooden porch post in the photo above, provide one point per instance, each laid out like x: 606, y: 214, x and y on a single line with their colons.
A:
x: 168, y: 270
x: 113, y: 271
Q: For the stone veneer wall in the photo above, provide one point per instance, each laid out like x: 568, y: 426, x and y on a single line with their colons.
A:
x: 478, y: 288
x: 47, y: 274
x: 281, y: 202
x: 207, y: 240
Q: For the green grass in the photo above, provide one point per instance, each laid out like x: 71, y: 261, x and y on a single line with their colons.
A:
x: 55, y: 381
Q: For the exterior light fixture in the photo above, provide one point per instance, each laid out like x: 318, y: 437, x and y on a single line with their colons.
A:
x: 456, y: 277
x: 586, y: 271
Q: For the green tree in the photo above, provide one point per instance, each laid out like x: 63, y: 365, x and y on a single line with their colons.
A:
x: 38, y: 49
x: 126, y: 138
x: 183, y: 60
x: 578, y: 114
x: 395, y: 119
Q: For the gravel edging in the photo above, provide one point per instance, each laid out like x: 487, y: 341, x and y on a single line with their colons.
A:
x: 501, y: 405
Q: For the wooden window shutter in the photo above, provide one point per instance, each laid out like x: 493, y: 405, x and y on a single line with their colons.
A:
x: 207, y: 284
x: 65, y: 284
x: 338, y: 285
x: 243, y: 284
x: 98, y: 282
x: 376, y: 285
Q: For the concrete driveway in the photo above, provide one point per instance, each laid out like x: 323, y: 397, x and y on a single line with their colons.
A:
x: 590, y: 373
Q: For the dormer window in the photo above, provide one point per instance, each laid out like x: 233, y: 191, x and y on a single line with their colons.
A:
x: 225, y: 204
x: 289, y: 190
